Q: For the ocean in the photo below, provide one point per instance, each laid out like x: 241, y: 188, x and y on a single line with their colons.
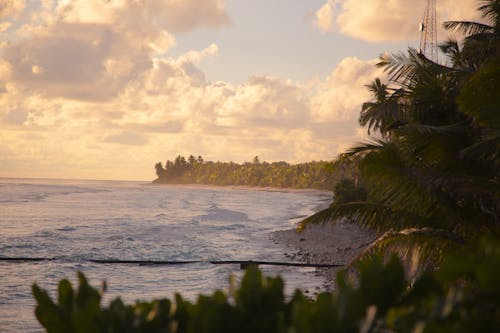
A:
x: 74, y: 221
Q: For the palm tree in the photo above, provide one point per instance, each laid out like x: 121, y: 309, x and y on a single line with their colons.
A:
x: 481, y: 40
x: 380, y: 115
x: 433, y: 179
x: 160, y: 171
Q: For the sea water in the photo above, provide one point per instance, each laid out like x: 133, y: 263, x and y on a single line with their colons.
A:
x: 74, y: 221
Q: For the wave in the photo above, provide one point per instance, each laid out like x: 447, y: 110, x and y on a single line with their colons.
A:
x: 13, y: 192
x: 222, y: 215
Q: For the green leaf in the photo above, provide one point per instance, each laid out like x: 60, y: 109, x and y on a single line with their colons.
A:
x: 49, y: 314
x: 65, y: 295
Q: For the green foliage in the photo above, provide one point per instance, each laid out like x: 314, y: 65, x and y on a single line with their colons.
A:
x: 346, y: 191
x: 318, y: 175
x: 480, y: 97
x: 462, y: 296
x: 436, y: 168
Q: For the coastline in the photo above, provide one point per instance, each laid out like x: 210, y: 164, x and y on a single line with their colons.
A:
x: 326, y: 243
x: 246, y: 188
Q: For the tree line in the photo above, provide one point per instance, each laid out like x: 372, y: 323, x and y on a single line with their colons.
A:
x: 195, y: 170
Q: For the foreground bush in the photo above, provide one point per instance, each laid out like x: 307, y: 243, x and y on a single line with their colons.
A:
x: 462, y: 296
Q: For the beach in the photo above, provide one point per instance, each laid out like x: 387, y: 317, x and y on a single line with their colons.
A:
x: 326, y: 243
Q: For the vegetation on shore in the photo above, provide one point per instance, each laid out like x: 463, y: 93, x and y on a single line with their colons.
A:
x: 432, y: 170
x: 463, y: 296
x: 429, y: 179
x: 314, y: 175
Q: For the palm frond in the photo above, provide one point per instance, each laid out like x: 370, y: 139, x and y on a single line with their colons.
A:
x: 426, y: 130
x: 467, y: 28
x: 479, y: 96
x: 402, y: 68
x: 450, y: 46
x: 436, y: 146
x: 381, y: 116
x: 367, y: 214
x: 490, y: 9
x: 419, y: 249
x: 487, y: 149
x: 366, y: 147
x: 395, y: 183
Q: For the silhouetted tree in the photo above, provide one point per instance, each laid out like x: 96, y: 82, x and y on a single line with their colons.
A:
x: 192, y: 160
x: 159, y: 169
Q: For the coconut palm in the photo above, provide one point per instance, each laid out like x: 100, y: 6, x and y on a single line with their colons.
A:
x: 380, y: 115
x: 481, y: 40
x: 433, y: 178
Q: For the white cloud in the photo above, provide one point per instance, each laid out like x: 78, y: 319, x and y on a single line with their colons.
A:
x: 11, y: 8
x: 127, y: 138
x: 197, y: 56
x: 323, y: 18
x: 171, y: 15
x: 381, y: 20
x: 92, y: 92
x: 166, y: 111
x: 183, y: 15
x: 342, y: 93
x: 91, y: 49
x: 265, y: 102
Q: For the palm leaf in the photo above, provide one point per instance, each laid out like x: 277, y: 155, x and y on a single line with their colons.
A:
x: 395, y: 183
x: 366, y: 214
x: 419, y: 249
x: 381, y: 116
x: 403, y: 68
x: 490, y: 9
x: 487, y: 149
x: 480, y: 97
x: 365, y: 147
x: 467, y: 28
x: 433, y: 146
x: 426, y: 130
x: 450, y: 47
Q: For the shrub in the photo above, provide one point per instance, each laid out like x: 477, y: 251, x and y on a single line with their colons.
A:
x: 346, y: 191
x: 462, y: 296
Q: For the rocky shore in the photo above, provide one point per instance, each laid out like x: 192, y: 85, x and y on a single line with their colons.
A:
x: 325, y: 243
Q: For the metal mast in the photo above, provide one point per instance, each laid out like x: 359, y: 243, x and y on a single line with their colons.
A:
x: 428, y: 32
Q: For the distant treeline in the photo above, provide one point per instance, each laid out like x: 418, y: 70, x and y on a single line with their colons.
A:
x: 194, y: 170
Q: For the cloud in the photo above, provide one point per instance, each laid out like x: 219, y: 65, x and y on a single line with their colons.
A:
x: 341, y: 94
x: 91, y: 49
x: 265, y: 102
x: 11, y: 8
x: 182, y: 16
x: 166, y: 111
x: 172, y: 15
x: 127, y: 138
x: 77, y: 61
x: 89, y: 89
x: 323, y: 18
x: 380, y: 20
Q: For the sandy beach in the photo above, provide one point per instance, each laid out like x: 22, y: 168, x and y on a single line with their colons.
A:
x: 327, y: 243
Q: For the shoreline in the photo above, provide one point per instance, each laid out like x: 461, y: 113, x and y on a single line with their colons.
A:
x: 325, y: 243
x: 247, y: 188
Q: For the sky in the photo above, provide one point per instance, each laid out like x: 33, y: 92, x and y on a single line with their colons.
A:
x: 104, y: 89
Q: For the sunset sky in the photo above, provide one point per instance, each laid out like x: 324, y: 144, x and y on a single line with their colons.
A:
x: 104, y: 89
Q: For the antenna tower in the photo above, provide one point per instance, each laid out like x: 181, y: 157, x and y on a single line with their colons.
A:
x: 428, y: 32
